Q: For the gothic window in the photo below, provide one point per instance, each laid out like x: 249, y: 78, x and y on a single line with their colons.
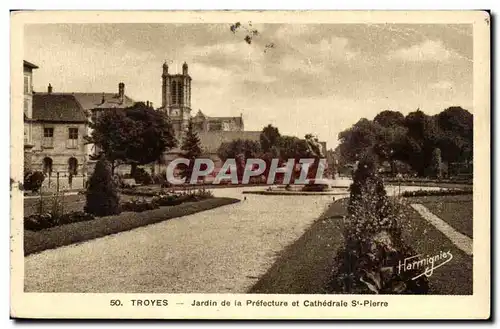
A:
x: 180, y: 91
x: 174, y: 93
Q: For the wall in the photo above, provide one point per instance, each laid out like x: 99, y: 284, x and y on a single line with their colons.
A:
x: 60, y: 153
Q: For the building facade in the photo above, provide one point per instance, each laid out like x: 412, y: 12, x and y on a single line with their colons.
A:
x: 59, y: 126
x: 28, y: 112
x: 55, y: 126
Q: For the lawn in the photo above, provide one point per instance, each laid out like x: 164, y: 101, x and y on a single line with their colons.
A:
x: 455, y: 210
x: 83, y: 231
x: 304, y: 267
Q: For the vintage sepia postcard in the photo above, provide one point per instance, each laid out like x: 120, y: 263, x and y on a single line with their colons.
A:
x: 250, y: 165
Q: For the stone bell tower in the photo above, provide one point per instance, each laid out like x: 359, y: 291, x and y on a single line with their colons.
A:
x: 176, y: 98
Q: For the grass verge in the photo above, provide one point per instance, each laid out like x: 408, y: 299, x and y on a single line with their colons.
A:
x: 304, y: 266
x: 63, y: 235
x: 454, y: 210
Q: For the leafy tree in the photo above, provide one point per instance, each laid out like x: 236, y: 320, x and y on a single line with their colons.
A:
x: 192, y: 149
x: 359, y: 140
x: 111, y: 134
x: 270, y: 139
x: 152, y: 135
x: 423, y: 136
x: 246, y: 147
x: 102, y: 196
x: 291, y: 147
x: 457, y: 134
x: 390, y: 118
x: 240, y: 150
x: 137, y: 135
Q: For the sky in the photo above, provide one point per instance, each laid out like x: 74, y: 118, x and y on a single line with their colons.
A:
x: 318, y: 78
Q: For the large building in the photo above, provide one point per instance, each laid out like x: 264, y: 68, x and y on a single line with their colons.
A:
x: 55, y: 125
x: 213, y: 131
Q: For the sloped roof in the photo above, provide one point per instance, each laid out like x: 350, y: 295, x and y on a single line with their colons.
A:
x: 57, y: 108
x: 211, y: 140
x: 30, y: 65
x: 91, y: 101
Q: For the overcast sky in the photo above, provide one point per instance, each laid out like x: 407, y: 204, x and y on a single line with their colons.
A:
x: 317, y: 79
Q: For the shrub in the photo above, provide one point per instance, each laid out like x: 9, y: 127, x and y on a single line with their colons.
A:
x: 373, y: 247
x: 102, y: 196
x: 161, y: 179
x: 39, y: 222
x: 437, y: 192
x: 33, y: 180
x: 143, y: 177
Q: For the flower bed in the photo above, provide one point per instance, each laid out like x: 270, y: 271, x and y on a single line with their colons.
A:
x: 63, y: 235
x: 38, y: 222
x: 436, y: 192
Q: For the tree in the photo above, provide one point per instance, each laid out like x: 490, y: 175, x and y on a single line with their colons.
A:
x: 102, y: 196
x: 111, y: 134
x: 457, y: 134
x: 270, y: 139
x: 240, y: 150
x: 151, y: 136
x: 389, y: 118
x: 135, y: 135
x: 192, y: 149
x: 359, y: 140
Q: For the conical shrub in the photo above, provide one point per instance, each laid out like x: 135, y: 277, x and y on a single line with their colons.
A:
x: 102, y: 194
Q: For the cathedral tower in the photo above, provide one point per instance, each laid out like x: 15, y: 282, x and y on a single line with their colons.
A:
x: 176, y: 98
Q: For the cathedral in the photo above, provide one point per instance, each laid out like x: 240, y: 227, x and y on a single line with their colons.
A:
x: 213, y: 131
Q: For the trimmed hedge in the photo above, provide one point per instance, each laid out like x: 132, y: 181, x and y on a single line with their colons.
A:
x: 436, y: 192
x: 64, y: 235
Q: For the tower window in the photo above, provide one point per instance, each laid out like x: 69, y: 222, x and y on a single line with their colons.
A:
x: 174, y: 93
x: 180, y: 91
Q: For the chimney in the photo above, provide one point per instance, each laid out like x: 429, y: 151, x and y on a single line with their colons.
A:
x: 121, y: 91
x: 49, y: 89
x: 103, y: 100
x: 147, y: 103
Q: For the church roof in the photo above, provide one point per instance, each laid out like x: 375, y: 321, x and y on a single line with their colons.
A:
x: 57, y: 108
x: 211, y: 140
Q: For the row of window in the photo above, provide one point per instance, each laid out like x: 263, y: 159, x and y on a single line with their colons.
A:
x: 72, y: 165
x: 48, y: 137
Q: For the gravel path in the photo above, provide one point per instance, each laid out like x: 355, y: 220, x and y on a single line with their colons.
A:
x: 223, y: 250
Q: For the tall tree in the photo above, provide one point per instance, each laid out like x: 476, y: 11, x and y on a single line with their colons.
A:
x: 192, y: 149
x: 270, y: 139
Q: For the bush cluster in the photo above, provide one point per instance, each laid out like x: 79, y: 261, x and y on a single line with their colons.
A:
x: 163, y: 200
x: 437, y: 192
x: 33, y: 180
x: 38, y: 222
x: 142, y: 177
